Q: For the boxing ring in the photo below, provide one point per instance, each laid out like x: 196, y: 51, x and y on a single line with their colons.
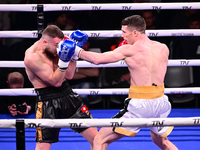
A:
x: 21, y: 131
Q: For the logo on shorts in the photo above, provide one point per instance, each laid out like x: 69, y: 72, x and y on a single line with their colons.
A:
x: 85, y: 110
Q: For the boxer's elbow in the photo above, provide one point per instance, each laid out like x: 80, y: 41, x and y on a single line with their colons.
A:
x: 69, y: 77
x: 97, y: 61
x: 58, y: 84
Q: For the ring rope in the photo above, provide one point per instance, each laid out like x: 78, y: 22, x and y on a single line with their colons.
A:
x: 32, y: 123
x: 121, y: 63
x: 108, y: 91
x: 82, y: 123
x: 105, y: 33
x: 94, y: 6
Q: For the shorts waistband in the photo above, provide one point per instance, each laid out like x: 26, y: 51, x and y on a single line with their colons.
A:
x: 53, y: 92
x: 146, y: 92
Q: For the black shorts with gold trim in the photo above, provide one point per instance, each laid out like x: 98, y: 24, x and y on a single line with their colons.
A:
x: 58, y: 103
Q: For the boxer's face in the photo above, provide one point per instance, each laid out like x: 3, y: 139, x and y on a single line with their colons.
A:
x: 50, y: 49
x: 127, y: 34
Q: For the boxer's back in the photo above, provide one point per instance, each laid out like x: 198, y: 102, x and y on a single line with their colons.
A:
x: 148, y: 63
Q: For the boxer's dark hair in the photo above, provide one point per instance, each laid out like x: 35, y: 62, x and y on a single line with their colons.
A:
x: 53, y: 31
x: 135, y: 22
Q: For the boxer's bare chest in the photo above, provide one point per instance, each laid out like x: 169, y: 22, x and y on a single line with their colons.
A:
x: 53, y: 63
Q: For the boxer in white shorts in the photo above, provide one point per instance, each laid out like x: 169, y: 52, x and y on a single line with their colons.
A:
x: 145, y: 102
x: 147, y: 62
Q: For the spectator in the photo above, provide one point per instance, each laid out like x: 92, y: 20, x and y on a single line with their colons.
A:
x: 149, y: 18
x: 180, y: 19
x: 85, y: 78
x: 4, y: 21
x: 16, y: 105
x: 152, y: 23
x: 188, y: 47
x: 194, y: 21
x: 63, y: 21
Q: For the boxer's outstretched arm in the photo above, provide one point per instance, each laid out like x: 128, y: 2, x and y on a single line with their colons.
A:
x: 106, y: 57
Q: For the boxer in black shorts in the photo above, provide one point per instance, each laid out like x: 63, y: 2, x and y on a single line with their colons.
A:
x: 58, y: 103
x: 49, y: 65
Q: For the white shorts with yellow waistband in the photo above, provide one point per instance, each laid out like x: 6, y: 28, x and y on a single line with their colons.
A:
x: 147, y: 102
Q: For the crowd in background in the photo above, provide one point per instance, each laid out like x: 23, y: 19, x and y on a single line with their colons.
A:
x: 187, y: 47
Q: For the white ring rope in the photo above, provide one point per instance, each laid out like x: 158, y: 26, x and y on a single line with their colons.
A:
x: 121, y: 63
x: 81, y: 123
x: 102, y: 6
x: 105, y: 33
x: 107, y: 91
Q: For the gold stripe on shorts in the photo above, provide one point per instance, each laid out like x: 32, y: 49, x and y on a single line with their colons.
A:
x: 169, y: 130
x: 39, y: 116
x: 146, y: 92
x: 124, y: 131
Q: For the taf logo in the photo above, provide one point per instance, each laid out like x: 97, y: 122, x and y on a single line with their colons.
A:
x: 122, y: 62
x: 34, y: 7
x: 196, y: 121
x: 96, y: 8
x: 116, y: 124
x: 94, y: 92
x: 187, y: 7
x: 33, y: 125
x: 185, y: 63
x: 153, y: 34
x: 94, y: 34
x: 126, y: 7
x: 75, y: 125
x: 35, y: 34
x: 158, y: 123
x: 156, y: 7
x: 66, y: 7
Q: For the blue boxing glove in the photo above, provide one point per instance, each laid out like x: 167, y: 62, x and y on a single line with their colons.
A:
x: 81, y: 39
x: 65, y: 50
